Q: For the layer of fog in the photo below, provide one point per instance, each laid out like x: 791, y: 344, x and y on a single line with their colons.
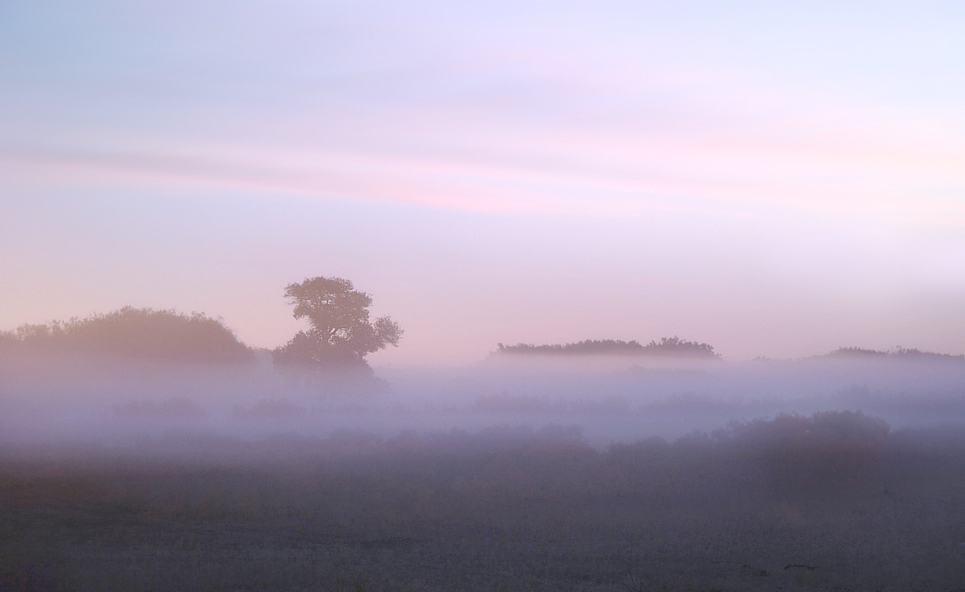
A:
x: 66, y: 399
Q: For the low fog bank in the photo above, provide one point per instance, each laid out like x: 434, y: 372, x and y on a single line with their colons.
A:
x: 620, y: 400
x: 63, y: 398
x: 831, y: 501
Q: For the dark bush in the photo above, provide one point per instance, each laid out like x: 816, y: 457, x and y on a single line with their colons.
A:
x: 136, y: 333
x: 828, y: 449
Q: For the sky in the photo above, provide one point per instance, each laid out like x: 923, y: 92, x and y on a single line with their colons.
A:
x: 776, y: 179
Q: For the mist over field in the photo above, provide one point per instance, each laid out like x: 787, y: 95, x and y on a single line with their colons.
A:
x: 484, y: 296
x: 145, y: 449
x: 135, y: 442
x: 617, y: 398
x: 526, y: 469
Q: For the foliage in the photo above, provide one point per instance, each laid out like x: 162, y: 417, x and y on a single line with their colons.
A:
x: 900, y: 353
x: 136, y: 333
x: 667, y: 346
x: 587, y: 347
x: 675, y: 346
x: 341, y: 334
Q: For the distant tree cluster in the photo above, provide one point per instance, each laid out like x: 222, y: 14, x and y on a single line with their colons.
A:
x: 667, y: 346
x: 589, y: 346
x: 134, y: 333
x: 675, y: 346
x: 894, y: 353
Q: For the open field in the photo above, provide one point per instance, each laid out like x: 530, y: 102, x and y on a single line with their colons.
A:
x: 830, y: 502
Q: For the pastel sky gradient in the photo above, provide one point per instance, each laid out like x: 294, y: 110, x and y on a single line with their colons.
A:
x: 774, y: 179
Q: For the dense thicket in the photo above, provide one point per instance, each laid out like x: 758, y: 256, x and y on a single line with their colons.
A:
x: 135, y: 333
x: 667, y: 346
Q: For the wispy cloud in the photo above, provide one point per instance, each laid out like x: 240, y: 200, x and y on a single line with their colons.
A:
x: 607, y: 171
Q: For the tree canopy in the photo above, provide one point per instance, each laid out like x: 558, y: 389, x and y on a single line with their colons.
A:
x: 667, y: 346
x: 340, y: 333
x: 135, y: 333
x: 896, y: 353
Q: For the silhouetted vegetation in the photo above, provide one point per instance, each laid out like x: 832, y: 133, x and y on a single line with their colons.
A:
x: 897, y: 353
x: 142, y: 333
x: 833, y: 501
x: 667, y: 346
x: 341, y: 334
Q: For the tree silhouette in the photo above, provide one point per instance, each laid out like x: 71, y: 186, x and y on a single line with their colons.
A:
x: 341, y: 334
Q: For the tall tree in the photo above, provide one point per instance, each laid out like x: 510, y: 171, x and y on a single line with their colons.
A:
x: 341, y: 334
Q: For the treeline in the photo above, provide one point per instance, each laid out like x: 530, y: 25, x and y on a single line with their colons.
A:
x: 147, y: 333
x: 681, y: 348
x: 897, y: 353
x: 141, y: 333
x: 667, y: 346
x: 340, y: 334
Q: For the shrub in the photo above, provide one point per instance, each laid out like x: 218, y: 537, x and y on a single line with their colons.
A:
x: 828, y: 449
x: 137, y: 333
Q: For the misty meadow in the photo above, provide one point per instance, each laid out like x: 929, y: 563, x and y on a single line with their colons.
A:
x: 152, y: 450
x: 486, y: 295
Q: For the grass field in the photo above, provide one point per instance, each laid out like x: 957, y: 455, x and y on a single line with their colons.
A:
x: 836, y: 501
